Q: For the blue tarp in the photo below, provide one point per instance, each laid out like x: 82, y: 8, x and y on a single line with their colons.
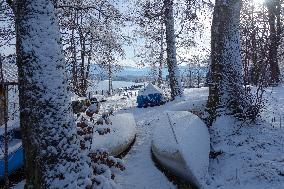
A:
x: 149, y: 96
x: 15, y: 162
x: 16, y: 157
x: 149, y: 100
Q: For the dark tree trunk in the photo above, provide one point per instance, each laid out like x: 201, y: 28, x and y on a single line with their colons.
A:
x: 110, y: 78
x: 226, y: 80
x: 161, y: 59
x: 53, y: 157
x: 273, y: 7
x: 4, y: 120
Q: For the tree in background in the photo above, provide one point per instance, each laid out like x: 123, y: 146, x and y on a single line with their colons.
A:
x: 110, y: 51
x: 254, y: 42
x: 174, y: 75
x: 150, y: 21
x: 195, y: 74
x: 261, y: 33
x: 87, y: 27
x: 7, y: 30
x: 275, y: 32
x: 153, y: 16
x: 108, y: 62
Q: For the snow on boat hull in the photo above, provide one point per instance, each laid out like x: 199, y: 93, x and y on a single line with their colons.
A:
x: 181, y: 144
x: 15, y: 162
x: 174, y: 164
x: 122, y: 135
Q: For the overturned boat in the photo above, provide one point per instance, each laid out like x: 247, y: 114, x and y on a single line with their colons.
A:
x: 181, y: 144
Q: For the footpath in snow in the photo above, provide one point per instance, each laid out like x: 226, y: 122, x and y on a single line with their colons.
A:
x: 141, y: 171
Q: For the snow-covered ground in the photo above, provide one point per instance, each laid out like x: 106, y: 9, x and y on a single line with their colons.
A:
x: 20, y: 185
x: 274, y: 113
x: 252, y: 156
x: 141, y: 172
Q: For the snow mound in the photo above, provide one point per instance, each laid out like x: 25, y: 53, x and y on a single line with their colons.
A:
x: 189, y: 105
x: 252, y: 155
x: 93, y: 109
x: 20, y: 185
x: 121, y: 135
x: 181, y: 143
x: 150, y: 89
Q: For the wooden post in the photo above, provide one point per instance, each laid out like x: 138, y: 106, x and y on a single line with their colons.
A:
x: 4, y: 120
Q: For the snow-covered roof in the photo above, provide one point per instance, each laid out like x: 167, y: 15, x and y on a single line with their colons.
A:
x: 150, y: 89
x: 10, y: 73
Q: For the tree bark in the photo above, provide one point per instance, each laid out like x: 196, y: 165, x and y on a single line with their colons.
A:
x: 161, y: 57
x: 273, y: 7
x: 226, y: 91
x: 53, y: 157
x: 174, y: 74
x: 110, y: 78
x: 4, y: 102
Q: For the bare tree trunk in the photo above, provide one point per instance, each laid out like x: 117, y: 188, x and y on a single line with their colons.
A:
x: 198, y: 77
x: 109, y: 79
x: 226, y: 91
x: 190, y: 79
x: 273, y: 15
x: 82, y: 64
x: 53, y: 157
x: 174, y: 74
x: 74, y: 58
x: 161, y: 59
x: 87, y: 72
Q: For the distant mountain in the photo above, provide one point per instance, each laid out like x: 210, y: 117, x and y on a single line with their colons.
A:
x: 130, y: 73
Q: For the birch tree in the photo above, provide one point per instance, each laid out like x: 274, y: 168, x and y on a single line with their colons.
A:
x: 174, y: 75
x: 52, y: 154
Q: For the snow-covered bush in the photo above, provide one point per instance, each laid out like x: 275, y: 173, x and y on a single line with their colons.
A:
x: 93, y: 109
x: 256, y: 105
x: 85, y: 132
x: 80, y: 105
x: 104, y: 166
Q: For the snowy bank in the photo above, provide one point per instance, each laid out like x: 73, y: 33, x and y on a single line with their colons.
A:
x: 181, y: 143
x: 251, y: 155
x: 122, y: 131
